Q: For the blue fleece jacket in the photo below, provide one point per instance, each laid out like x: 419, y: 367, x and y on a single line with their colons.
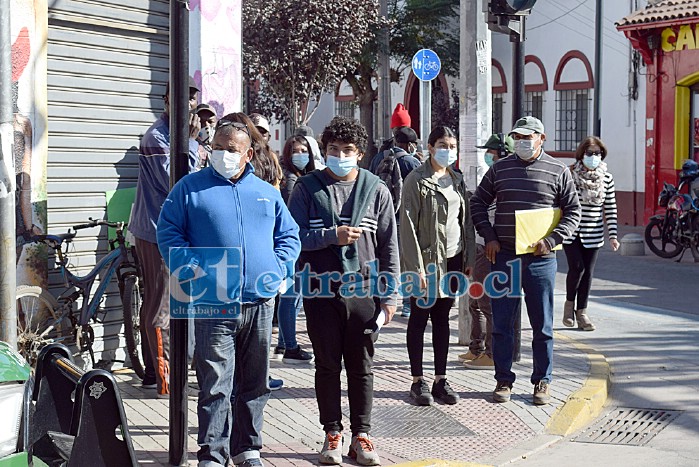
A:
x: 154, y: 177
x: 205, y: 209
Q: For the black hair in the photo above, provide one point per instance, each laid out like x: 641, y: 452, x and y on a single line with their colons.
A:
x: 345, y: 130
x: 440, y: 132
x: 264, y: 160
x: 286, y: 155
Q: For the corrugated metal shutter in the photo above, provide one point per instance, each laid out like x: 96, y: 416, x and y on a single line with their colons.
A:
x: 107, y: 65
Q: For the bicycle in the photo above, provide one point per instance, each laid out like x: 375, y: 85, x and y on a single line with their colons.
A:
x: 43, y: 319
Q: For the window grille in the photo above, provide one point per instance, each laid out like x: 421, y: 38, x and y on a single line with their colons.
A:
x: 534, y: 104
x: 572, y: 118
x: 345, y: 108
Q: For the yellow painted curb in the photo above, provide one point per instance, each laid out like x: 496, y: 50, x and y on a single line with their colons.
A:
x: 440, y: 463
x: 585, y: 404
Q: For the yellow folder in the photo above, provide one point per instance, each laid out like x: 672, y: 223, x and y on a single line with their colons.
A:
x: 532, y: 225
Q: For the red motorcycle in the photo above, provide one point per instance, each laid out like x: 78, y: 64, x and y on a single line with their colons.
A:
x: 672, y: 233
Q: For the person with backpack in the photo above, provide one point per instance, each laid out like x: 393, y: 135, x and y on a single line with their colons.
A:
x: 392, y: 167
x: 399, y: 119
x: 437, y: 241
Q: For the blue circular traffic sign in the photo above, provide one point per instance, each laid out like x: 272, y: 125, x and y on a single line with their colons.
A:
x: 426, y: 65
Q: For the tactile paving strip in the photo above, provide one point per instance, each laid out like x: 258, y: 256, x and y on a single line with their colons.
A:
x: 409, y: 421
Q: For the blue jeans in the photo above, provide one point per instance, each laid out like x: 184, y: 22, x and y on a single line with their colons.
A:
x: 289, y: 306
x: 537, y: 279
x: 229, y: 350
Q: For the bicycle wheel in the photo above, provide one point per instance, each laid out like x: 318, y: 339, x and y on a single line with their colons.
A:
x: 131, y: 300
x: 36, y: 321
x: 660, y: 238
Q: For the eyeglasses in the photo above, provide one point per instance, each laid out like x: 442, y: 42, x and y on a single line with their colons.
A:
x: 236, y: 125
x: 588, y: 153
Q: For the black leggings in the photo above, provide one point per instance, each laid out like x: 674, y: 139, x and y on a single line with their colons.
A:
x: 439, y: 314
x: 581, y: 265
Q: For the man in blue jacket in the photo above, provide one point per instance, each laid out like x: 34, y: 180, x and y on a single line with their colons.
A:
x: 152, y: 188
x: 225, y: 208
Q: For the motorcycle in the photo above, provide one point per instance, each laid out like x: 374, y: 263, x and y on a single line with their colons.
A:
x: 672, y: 233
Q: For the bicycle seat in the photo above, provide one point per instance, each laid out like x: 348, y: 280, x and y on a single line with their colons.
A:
x: 53, y: 240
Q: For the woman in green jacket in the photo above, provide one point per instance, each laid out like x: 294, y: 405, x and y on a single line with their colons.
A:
x: 436, y: 238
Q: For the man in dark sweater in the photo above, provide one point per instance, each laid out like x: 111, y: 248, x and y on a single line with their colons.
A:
x: 529, y: 180
x: 347, y: 228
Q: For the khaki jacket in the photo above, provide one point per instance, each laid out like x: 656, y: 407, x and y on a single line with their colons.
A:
x: 423, y: 223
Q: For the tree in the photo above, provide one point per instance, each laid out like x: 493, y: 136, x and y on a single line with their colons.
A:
x: 297, y: 50
x: 414, y: 25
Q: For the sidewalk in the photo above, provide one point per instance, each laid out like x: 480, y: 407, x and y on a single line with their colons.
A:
x: 476, y: 429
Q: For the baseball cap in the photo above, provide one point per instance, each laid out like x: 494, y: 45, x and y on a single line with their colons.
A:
x: 304, y: 130
x: 528, y: 125
x: 494, y: 143
x: 260, y: 121
x: 207, y: 107
x: 406, y: 135
x: 192, y: 84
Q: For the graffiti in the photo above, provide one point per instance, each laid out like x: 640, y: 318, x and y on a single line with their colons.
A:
x: 30, y: 196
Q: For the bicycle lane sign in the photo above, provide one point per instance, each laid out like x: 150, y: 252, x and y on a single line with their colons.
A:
x: 426, y: 65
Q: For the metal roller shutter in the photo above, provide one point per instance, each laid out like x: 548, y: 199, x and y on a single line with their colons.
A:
x: 107, y: 65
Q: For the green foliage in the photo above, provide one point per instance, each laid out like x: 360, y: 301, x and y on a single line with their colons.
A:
x: 425, y: 24
x: 299, y: 49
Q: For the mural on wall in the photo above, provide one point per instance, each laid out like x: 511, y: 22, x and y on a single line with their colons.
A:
x: 29, y: 157
x: 219, y: 72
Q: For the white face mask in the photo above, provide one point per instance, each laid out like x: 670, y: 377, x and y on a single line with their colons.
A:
x: 225, y: 162
x: 525, y: 148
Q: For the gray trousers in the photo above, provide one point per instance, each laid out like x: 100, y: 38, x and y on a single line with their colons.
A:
x: 481, y: 309
x: 155, y: 314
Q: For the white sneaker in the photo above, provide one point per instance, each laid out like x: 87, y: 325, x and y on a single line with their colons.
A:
x: 331, y: 454
x: 362, y: 450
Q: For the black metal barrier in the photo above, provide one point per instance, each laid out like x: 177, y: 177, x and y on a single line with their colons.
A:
x: 79, y: 417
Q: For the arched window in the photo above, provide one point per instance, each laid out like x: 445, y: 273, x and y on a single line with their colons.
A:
x: 535, y: 86
x: 345, y: 102
x: 499, y: 84
x: 572, y: 84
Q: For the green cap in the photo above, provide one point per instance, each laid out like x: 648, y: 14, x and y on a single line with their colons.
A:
x: 528, y: 125
x: 494, y: 143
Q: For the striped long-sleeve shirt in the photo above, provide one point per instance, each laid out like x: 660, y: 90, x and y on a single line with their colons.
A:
x: 515, y: 185
x: 591, y: 228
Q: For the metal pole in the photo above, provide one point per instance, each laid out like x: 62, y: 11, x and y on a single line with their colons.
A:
x: 596, y: 121
x: 425, y: 111
x: 518, y: 76
x: 517, y: 113
x: 8, y: 264
x: 384, y: 79
x: 179, y: 167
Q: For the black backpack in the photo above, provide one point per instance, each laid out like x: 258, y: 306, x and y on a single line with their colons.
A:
x: 388, y: 170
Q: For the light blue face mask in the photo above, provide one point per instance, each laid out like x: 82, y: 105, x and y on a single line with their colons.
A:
x: 592, y: 161
x: 488, y: 157
x: 445, y: 157
x: 300, y: 160
x: 341, y: 166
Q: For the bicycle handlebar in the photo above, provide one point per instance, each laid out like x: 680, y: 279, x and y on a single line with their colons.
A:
x: 98, y: 222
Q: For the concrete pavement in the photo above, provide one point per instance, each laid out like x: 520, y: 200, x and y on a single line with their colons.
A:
x: 651, y: 350
x: 647, y: 314
x: 475, y: 429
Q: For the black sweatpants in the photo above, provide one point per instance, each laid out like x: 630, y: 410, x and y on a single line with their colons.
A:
x: 581, y: 265
x: 336, y: 329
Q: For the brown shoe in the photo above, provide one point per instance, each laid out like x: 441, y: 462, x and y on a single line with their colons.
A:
x: 541, y: 393
x: 502, y: 392
x: 465, y: 357
x: 484, y: 362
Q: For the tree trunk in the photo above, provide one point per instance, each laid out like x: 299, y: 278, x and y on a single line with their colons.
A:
x: 366, y: 95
